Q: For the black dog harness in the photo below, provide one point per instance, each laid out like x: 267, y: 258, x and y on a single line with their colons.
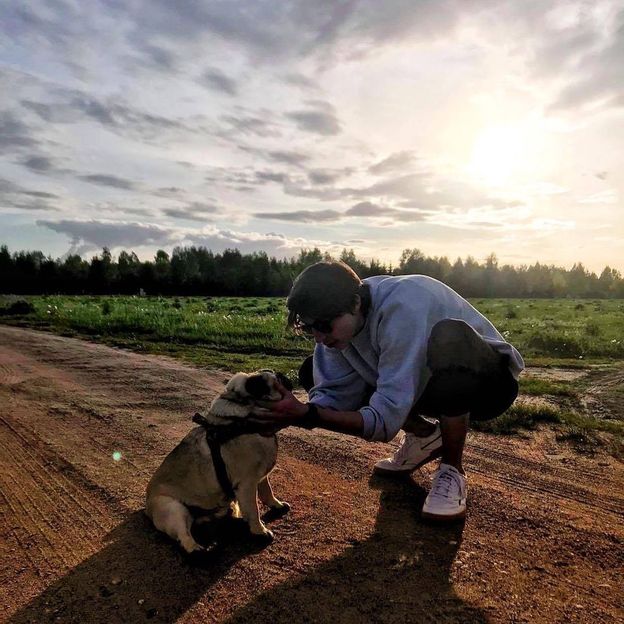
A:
x: 216, y: 435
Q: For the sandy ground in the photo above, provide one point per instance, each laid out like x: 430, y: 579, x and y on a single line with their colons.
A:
x: 542, y: 542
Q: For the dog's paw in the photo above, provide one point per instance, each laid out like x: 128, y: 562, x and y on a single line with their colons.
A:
x: 276, y: 512
x: 264, y: 538
x: 190, y: 547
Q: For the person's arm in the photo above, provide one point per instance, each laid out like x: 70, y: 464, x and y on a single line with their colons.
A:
x: 402, y: 373
x: 292, y: 412
x: 336, y: 384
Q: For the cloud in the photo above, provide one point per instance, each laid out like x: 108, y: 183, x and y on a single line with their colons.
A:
x: 16, y: 197
x: 375, y: 211
x: 395, y: 162
x: 91, y: 236
x: 97, y: 234
x: 299, y: 80
x: 597, y: 78
x: 288, y: 157
x: 321, y: 177
x: 366, y: 209
x: 302, y: 216
x: 102, y: 179
x: 14, y: 134
x: 70, y: 106
x: 40, y: 194
x: 39, y: 164
x: 271, y: 176
x: 214, y: 78
x: 249, y: 124
x: 320, y: 119
x: 195, y: 211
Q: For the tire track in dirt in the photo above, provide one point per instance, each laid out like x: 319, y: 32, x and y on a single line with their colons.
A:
x: 540, y: 479
x: 50, y: 471
x: 47, y: 504
x: 33, y: 525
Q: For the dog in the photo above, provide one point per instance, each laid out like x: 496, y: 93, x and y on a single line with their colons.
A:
x: 220, y: 466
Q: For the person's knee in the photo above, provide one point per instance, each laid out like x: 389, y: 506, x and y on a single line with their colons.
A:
x: 450, y: 329
x: 454, y: 344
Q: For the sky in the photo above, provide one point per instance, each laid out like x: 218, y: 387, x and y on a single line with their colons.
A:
x: 461, y: 128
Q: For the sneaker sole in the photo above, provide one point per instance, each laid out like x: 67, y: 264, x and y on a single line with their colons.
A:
x: 388, y: 472
x: 443, y: 518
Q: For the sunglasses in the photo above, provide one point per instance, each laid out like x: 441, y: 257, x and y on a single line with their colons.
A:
x: 322, y: 326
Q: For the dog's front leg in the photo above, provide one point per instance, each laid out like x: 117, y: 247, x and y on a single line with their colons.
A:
x: 248, y: 502
x: 265, y: 492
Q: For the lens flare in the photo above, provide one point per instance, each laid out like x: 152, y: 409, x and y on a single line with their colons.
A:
x: 117, y: 456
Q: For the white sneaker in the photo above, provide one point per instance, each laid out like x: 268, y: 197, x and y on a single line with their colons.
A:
x: 447, y: 498
x: 413, y: 453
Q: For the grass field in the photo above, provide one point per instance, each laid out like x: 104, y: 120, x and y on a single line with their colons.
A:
x: 249, y: 333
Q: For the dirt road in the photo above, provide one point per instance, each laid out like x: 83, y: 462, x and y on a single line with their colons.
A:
x: 542, y: 543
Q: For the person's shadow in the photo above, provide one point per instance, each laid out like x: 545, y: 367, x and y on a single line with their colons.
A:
x: 139, y: 575
x: 400, y: 574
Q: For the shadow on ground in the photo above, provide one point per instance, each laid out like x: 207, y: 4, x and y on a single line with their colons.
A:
x: 139, y: 575
x: 400, y: 574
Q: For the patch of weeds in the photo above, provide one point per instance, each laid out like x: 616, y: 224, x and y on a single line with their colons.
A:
x: 592, y: 328
x: 106, y: 307
x: 511, y: 314
x: 18, y: 308
x: 583, y: 440
x: 534, y: 386
x: 519, y: 417
x: 582, y: 432
x: 547, y: 342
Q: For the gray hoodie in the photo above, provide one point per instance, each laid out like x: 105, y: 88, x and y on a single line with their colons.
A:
x: 390, y: 352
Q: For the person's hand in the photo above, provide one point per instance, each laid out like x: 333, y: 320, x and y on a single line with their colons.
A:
x: 285, y: 412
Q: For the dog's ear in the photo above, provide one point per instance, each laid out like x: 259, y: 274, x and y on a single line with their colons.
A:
x: 257, y: 386
x: 284, y: 381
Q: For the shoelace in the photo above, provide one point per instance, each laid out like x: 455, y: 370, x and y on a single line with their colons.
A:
x: 445, y: 481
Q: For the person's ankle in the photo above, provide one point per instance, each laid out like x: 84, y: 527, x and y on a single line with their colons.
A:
x: 457, y: 465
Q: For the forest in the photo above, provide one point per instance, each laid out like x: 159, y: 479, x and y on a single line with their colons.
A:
x: 200, y: 271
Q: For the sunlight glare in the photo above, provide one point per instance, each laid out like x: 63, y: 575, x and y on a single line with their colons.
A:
x: 497, y: 153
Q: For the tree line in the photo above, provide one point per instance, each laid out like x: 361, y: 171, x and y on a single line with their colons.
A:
x: 199, y: 271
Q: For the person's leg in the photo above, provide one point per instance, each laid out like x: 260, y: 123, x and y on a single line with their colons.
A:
x: 454, y: 431
x: 469, y: 380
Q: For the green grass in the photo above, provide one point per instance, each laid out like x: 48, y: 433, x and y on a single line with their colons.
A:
x: 559, y: 328
x: 519, y: 417
x: 540, y: 387
x: 581, y: 431
x: 546, y: 331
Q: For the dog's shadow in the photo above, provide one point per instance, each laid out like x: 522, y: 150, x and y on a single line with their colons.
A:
x: 140, y: 574
x: 401, y: 573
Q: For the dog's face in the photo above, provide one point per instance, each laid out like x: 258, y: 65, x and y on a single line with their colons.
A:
x: 260, y: 386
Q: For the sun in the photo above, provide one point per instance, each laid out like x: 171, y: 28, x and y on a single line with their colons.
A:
x: 497, y: 153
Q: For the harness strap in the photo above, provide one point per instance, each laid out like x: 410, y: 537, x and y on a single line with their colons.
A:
x: 216, y: 435
x: 219, y: 466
